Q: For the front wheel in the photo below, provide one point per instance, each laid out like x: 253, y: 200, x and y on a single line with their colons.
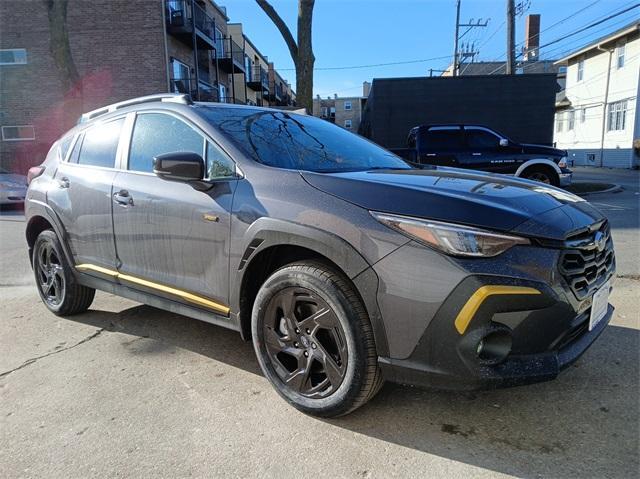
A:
x: 56, y: 284
x: 314, y: 340
x: 542, y: 174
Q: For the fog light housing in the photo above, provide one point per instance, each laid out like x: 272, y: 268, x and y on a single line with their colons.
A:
x: 494, y: 347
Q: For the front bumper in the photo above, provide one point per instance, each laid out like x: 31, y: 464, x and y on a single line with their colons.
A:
x: 565, y: 178
x: 434, y: 336
x: 514, y: 371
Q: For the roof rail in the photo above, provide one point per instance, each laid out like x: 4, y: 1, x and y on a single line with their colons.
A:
x: 184, y: 99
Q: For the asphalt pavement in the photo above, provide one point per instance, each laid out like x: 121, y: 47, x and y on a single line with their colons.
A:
x: 126, y: 390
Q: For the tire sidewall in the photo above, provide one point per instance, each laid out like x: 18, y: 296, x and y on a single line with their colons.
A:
x: 330, y: 292
x: 50, y: 237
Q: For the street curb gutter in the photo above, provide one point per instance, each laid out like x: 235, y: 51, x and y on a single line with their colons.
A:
x: 612, y: 189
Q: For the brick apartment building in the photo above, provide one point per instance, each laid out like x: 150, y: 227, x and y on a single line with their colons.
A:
x: 116, y: 49
x: 343, y: 111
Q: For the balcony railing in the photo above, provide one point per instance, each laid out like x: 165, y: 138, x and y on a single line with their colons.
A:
x: 200, y: 91
x: 229, y: 55
x: 258, y: 78
x: 180, y: 21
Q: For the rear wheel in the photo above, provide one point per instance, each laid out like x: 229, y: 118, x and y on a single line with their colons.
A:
x: 57, y: 286
x: 314, y: 340
x: 543, y: 174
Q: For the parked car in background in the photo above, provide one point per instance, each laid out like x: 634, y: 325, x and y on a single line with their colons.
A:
x: 481, y: 148
x: 343, y: 264
x: 13, y: 188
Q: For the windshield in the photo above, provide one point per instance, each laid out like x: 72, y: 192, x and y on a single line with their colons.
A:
x: 283, y: 140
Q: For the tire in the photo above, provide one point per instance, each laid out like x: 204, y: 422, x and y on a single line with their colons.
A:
x: 543, y: 174
x: 314, y: 340
x: 56, y: 283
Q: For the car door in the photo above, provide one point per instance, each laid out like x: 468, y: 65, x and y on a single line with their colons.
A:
x: 484, y: 151
x: 171, y: 237
x: 440, y: 145
x: 82, y: 196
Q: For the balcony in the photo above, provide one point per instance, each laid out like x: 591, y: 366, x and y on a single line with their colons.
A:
x: 200, y: 91
x: 230, y: 99
x: 258, y: 79
x: 181, y: 20
x: 229, y: 55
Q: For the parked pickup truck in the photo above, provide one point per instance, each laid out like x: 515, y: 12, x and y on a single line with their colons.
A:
x: 480, y: 148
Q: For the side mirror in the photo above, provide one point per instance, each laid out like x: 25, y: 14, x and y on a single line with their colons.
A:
x: 504, y: 142
x: 179, y: 166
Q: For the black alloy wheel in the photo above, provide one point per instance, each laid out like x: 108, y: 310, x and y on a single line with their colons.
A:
x: 49, y: 274
x: 57, y: 285
x: 305, y: 342
x: 314, y: 340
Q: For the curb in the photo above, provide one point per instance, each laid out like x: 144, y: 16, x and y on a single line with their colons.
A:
x: 612, y: 189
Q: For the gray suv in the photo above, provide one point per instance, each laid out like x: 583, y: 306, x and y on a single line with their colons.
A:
x: 342, y: 263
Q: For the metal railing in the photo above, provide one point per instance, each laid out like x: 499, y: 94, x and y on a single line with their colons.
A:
x: 227, y: 48
x: 179, y: 15
x: 200, y: 91
x: 257, y: 74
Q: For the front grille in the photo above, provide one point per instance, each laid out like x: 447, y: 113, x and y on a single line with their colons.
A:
x: 586, y: 263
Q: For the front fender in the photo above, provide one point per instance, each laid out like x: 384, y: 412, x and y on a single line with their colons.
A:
x: 268, y: 232
x: 537, y: 161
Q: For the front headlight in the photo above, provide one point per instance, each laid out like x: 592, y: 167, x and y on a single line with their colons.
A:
x: 452, y: 239
x: 563, y: 162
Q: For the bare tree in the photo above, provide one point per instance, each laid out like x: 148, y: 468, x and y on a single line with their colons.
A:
x: 301, y: 51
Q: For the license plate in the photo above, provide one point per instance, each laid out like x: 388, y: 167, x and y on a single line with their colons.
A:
x: 599, y: 305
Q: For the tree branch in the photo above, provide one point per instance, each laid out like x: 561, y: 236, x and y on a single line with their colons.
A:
x: 280, y: 25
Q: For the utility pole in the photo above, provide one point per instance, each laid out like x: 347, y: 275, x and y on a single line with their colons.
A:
x: 469, y: 26
x: 511, y: 37
x: 455, y: 40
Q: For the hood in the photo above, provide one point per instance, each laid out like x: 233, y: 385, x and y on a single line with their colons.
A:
x: 542, y: 150
x: 489, y: 201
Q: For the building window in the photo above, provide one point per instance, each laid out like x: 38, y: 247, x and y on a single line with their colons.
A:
x: 617, y: 116
x: 572, y: 120
x: 347, y: 105
x: 222, y: 91
x: 562, y: 70
x: 620, y: 55
x: 18, y: 133
x: 559, y: 122
x: 332, y: 112
x: 14, y: 56
x: 347, y: 124
x: 580, y: 69
x: 583, y: 115
x: 181, y: 81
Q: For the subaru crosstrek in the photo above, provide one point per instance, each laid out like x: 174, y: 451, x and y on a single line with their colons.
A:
x: 342, y: 263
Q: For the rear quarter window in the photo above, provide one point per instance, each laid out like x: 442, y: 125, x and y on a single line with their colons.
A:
x: 100, y: 144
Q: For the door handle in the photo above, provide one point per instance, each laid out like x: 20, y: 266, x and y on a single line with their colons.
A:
x: 123, y: 198
x: 63, y: 182
x: 430, y: 154
x: 476, y: 154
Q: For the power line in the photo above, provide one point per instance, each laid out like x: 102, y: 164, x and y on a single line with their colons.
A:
x: 374, y: 65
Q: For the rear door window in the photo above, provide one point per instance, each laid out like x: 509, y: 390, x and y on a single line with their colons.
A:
x: 157, y: 133
x: 441, y: 139
x: 100, y: 144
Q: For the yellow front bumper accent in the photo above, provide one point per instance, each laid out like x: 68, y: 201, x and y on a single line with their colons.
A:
x: 472, y: 305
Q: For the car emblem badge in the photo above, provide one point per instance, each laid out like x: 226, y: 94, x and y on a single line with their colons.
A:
x: 600, y: 240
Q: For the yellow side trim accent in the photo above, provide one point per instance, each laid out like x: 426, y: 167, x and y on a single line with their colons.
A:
x: 193, y: 298
x: 472, y: 305
x: 97, y: 269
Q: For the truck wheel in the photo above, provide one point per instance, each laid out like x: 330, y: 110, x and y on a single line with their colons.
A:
x: 57, y: 287
x: 543, y: 174
x: 314, y: 340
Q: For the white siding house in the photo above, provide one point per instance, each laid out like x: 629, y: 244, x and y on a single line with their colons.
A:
x: 596, y: 115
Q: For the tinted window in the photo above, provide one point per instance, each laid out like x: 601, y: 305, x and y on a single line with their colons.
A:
x: 441, y: 140
x: 284, y: 140
x: 100, y: 144
x: 157, y: 133
x: 219, y: 165
x: 482, y: 140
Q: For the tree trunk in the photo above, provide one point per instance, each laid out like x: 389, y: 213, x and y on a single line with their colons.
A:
x: 305, y: 60
x: 301, y: 52
x: 61, y: 53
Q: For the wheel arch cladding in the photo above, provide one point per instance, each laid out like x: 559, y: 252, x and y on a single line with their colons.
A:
x: 270, y: 244
x: 41, y: 217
